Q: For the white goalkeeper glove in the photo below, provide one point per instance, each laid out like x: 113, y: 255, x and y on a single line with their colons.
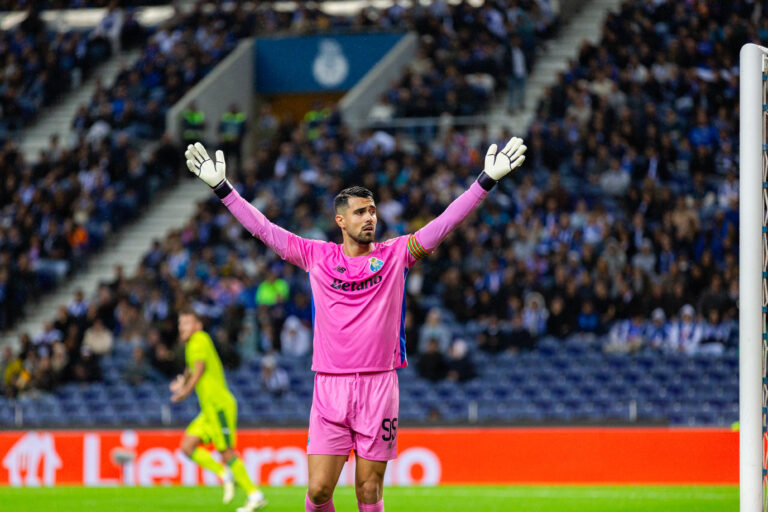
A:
x: 201, y: 165
x: 498, y: 165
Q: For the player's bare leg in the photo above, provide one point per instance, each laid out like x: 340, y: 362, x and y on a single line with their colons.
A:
x: 236, y: 473
x: 369, y: 484
x: 324, y: 471
x: 190, y: 445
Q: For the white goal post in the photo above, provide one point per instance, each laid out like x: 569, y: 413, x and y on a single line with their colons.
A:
x: 753, y: 194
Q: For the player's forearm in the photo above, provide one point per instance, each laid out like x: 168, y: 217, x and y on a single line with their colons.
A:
x: 433, y: 233
x: 253, y: 220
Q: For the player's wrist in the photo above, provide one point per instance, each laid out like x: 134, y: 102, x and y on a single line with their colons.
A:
x: 485, y: 181
x: 223, y: 189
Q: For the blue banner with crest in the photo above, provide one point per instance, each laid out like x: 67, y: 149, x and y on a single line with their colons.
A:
x: 318, y: 63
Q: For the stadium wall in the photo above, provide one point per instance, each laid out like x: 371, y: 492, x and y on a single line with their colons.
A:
x: 426, y: 457
x: 357, y: 103
x: 234, y: 75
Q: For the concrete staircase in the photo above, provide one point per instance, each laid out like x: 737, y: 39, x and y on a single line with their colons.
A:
x: 585, y: 24
x: 127, y: 249
x: 132, y: 242
x: 178, y: 204
x: 57, y: 119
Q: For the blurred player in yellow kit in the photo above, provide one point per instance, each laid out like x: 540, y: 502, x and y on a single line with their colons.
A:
x: 217, y: 421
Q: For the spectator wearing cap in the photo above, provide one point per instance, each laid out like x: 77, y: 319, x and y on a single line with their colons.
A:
x: 685, y: 335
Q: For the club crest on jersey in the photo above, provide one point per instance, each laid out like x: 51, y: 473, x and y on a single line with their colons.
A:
x: 375, y: 264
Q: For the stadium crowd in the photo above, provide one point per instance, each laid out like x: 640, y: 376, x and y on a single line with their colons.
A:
x: 623, y: 232
x: 465, y: 56
x: 61, y: 208
x: 42, y: 5
x: 38, y: 65
x: 116, y: 120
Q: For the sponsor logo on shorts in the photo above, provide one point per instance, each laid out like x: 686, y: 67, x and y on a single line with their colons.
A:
x: 353, y: 286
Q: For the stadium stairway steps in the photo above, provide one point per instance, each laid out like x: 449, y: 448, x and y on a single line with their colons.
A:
x: 57, y: 119
x: 585, y: 25
x: 169, y: 210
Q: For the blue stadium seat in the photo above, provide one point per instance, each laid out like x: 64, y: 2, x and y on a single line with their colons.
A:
x: 129, y: 417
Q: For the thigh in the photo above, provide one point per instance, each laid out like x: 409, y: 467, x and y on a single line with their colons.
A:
x: 329, y: 428
x: 376, y: 420
x: 221, y: 426
x: 189, y: 443
x: 324, y: 470
x: 199, y: 428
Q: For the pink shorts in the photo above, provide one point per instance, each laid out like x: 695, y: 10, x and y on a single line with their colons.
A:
x: 355, y: 411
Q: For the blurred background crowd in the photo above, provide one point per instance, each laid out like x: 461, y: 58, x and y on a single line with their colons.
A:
x: 620, y: 233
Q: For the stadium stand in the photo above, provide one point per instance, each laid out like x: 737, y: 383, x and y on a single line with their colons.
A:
x: 23, y: 5
x: 39, y: 65
x: 599, y: 285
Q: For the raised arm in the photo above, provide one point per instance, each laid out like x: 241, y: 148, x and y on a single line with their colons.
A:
x: 288, y: 246
x: 497, y: 165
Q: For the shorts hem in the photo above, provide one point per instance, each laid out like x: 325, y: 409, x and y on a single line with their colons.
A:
x: 376, y: 459
x: 325, y: 452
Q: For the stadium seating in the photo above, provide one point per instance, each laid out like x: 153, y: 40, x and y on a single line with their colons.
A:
x: 507, y: 391
x: 522, y: 229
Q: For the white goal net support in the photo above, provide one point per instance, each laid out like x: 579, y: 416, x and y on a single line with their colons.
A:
x: 753, y: 293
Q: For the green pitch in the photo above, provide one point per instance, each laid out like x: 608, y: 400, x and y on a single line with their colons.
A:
x: 397, y: 499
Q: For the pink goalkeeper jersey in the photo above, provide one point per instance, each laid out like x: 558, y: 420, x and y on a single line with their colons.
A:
x: 358, y: 302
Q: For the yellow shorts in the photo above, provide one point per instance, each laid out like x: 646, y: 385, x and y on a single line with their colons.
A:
x: 217, y: 425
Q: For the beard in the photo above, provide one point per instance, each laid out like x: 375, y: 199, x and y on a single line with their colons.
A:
x: 363, y: 237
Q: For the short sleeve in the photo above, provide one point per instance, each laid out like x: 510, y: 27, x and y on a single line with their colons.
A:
x: 196, y: 349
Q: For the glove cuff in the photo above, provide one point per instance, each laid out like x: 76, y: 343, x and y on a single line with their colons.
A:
x: 486, y: 181
x: 223, y: 189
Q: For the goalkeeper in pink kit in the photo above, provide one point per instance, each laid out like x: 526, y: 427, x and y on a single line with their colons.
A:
x: 358, y: 292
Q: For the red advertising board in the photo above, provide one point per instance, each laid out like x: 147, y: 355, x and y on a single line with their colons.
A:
x: 426, y: 457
